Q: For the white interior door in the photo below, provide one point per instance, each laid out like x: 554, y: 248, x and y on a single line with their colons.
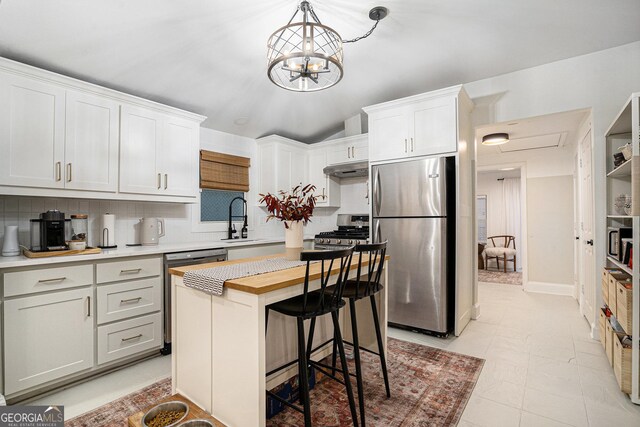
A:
x: 587, y: 279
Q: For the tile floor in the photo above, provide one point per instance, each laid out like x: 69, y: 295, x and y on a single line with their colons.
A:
x: 541, y: 368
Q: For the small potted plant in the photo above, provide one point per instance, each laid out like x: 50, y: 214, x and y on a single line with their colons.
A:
x: 295, y: 209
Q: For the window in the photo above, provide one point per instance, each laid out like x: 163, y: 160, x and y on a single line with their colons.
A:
x: 222, y: 178
x: 214, y: 205
x: 481, y: 211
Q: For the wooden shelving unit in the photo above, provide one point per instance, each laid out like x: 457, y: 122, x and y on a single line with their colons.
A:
x: 625, y: 180
x: 621, y: 171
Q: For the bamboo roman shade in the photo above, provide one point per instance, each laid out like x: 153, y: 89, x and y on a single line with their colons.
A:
x: 224, y: 172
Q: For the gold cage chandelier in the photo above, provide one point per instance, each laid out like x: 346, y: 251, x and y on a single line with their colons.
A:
x: 307, y: 56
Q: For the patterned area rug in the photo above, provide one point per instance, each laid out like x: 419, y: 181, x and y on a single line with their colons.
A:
x: 116, y: 413
x: 495, y: 276
x: 429, y: 387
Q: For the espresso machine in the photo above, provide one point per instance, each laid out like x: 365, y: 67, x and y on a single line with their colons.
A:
x: 50, y: 232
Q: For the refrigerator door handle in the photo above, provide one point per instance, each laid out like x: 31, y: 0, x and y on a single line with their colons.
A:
x: 377, y: 192
x: 376, y: 235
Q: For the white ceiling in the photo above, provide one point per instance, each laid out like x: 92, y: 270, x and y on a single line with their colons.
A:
x: 208, y: 56
x: 534, y: 134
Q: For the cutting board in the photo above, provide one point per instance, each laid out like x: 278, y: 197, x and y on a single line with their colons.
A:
x: 88, y: 251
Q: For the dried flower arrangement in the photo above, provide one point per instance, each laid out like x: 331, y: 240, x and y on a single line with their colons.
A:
x: 296, y: 205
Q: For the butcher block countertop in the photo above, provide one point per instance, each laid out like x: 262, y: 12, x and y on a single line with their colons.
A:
x: 267, y: 282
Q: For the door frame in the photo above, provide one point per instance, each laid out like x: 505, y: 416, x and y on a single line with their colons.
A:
x: 523, y: 213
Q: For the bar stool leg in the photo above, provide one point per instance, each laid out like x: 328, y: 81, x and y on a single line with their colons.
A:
x: 334, y: 356
x: 356, y: 354
x: 345, y: 368
x: 303, y: 374
x: 312, y: 329
x: 383, y: 360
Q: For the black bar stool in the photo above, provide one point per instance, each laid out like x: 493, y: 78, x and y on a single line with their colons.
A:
x: 310, y: 305
x: 363, y: 286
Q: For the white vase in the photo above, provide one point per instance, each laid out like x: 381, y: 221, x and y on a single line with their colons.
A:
x: 293, y: 239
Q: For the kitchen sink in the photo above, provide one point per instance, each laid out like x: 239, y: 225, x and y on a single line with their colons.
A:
x: 238, y: 240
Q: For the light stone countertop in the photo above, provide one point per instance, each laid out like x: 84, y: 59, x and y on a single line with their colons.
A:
x: 132, y: 251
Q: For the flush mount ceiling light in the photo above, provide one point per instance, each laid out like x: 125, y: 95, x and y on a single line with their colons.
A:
x: 307, y: 56
x: 495, y: 139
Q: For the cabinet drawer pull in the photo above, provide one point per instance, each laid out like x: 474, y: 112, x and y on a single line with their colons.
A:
x: 57, y: 279
x: 166, y: 180
x: 127, y: 301
x: 159, y: 181
x: 131, y: 271
x: 135, y: 337
x: 69, y: 172
x: 88, y: 306
x: 58, y: 171
x: 405, y: 145
x: 412, y: 145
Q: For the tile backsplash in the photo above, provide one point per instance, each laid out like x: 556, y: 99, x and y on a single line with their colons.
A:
x: 18, y: 210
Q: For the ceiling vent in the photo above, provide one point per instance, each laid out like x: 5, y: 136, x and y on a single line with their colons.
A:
x: 538, y: 142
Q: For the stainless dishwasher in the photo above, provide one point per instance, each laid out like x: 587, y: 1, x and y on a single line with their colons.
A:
x: 180, y: 259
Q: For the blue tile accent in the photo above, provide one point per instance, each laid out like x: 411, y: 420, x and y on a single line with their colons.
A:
x: 214, y: 204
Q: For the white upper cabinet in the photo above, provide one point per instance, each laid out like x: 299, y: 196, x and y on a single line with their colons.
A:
x: 282, y: 164
x: 91, y: 145
x: 60, y: 137
x: 327, y: 188
x: 179, y: 157
x: 31, y: 132
x: 349, y: 149
x: 158, y: 153
x: 389, y: 134
x: 433, y: 127
x: 420, y: 125
x: 140, y: 143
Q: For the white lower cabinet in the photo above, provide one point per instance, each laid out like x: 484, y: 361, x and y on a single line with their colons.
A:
x: 129, y: 337
x: 47, y: 337
x: 123, y: 300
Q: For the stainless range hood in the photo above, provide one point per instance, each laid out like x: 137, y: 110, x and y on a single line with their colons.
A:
x: 348, y: 170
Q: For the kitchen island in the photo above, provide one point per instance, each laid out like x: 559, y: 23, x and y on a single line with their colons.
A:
x: 222, y: 356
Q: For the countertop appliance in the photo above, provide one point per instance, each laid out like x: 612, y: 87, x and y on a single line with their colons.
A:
x: 413, y: 208
x: 616, y: 234
x: 352, y: 229
x: 179, y: 259
x: 50, y: 232
x: 151, y: 229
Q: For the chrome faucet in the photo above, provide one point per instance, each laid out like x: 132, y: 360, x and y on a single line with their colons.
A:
x: 231, y: 230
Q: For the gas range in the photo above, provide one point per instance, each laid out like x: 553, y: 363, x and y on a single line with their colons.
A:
x: 352, y: 229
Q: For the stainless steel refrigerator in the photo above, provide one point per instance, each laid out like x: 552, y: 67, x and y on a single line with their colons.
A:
x: 413, y: 209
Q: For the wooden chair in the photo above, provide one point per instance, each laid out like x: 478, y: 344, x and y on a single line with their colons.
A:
x: 501, y: 250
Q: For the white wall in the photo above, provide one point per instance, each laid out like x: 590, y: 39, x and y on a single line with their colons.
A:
x: 602, y: 81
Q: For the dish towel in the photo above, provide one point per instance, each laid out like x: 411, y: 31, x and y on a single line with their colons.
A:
x: 211, y: 280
